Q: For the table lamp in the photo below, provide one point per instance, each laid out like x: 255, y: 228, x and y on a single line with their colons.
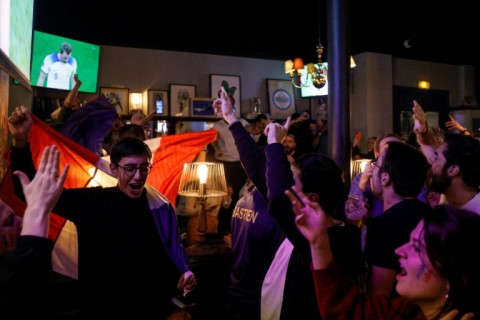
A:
x: 202, y: 180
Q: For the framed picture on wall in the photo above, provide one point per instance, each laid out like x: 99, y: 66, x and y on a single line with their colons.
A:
x: 158, y: 102
x: 232, y: 84
x: 281, y: 100
x: 180, y: 96
x: 118, y: 97
x: 202, y: 107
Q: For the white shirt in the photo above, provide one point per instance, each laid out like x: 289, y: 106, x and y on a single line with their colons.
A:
x: 225, y: 142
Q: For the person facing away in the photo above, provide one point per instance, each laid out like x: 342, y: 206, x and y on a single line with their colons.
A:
x: 255, y: 235
x: 288, y: 291
x: 438, y: 278
x: 59, y: 68
x: 130, y: 258
x: 226, y: 153
x: 25, y: 250
x: 398, y: 176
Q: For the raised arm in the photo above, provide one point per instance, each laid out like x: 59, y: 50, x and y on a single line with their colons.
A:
x: 252, y: 157
x: 42, y: 192
x: 72, y: 94
x: 19, y: 125
x: 454, y: 125
x: 313, y: 223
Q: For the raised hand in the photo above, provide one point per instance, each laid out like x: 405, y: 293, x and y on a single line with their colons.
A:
x: 313, y: 223
x: 223, y: 106
x: 419, y: 117
x: 276, y: 132
x: 42, y: 192
x: 19, y: 124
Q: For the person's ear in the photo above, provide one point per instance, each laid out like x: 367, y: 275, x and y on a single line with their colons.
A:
x: 453, y: 170
x: 385, y: 178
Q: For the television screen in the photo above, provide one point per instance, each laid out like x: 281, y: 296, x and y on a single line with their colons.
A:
x: 56, y: 59
x: 16, y: 24
x: 309, y: 89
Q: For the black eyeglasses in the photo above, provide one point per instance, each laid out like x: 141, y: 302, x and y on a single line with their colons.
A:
x: 373, y: 163
x: 131, y: 170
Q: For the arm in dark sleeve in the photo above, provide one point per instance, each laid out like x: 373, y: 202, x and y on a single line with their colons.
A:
x: 252, y: 157
x: 25, y: 276
x: 280, y: 178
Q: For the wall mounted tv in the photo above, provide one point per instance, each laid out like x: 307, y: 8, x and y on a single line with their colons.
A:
x: 310, y: 91
x: 56, y: 59
x: 16, y: 27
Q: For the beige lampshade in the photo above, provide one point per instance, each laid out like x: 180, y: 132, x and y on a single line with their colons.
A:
x: 215, y: 184
x: 288, y: 66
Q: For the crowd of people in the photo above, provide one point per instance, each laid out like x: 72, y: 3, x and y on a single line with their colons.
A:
x: 401, y: 246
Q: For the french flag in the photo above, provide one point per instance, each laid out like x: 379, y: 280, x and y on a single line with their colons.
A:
x: 88, y: 169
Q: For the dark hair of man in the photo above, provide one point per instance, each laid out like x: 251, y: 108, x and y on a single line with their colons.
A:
x: 451, y: 236
x: 127, y: 147
x: 66, y: 47
x: 321, y: 175
x: 131, y: 130
x: 407, y: 168
x: 464, y: 151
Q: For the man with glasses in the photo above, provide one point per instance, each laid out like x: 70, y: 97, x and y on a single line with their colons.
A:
x: 398, y: 175
x: 130, y: 259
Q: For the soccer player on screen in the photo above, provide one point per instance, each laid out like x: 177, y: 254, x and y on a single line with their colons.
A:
x: 59, y: 68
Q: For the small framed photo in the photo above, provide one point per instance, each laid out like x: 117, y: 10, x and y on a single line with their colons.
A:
x: 202, y: 107
x: 180, y: 96
x: 232, y: 84
x: 118, y: 97
x: 281, y: 99
x: 158, y: 102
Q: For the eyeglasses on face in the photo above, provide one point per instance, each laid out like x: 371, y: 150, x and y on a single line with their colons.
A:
x: 131, y: 170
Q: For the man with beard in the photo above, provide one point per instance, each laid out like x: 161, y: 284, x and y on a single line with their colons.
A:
x: 455, y: 164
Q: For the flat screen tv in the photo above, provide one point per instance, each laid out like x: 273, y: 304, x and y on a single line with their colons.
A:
x: 56, y: 59
x: 16, y: 27
x: 310, y: 91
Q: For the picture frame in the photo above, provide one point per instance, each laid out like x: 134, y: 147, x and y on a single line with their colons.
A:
x: 153, y: 96
x: 281, y: 99
x: 233, y: 81
x: 180, y: 95
x: 118, y: 97
x: 202, y: 107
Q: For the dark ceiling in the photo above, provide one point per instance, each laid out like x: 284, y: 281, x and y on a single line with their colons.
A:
x: 277, y: 30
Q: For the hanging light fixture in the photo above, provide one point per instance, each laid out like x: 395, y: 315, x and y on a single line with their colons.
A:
x: 316, y: 73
